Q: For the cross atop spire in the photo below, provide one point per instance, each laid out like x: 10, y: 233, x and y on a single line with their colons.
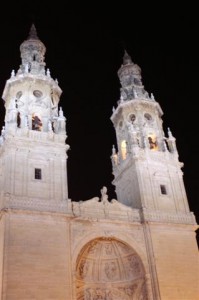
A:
x: 33, y: 33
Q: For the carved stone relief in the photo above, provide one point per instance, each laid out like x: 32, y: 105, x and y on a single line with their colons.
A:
x: 121, y: 292
x: 83, y: 268
x: 134, y: 268
x: 109, y: 269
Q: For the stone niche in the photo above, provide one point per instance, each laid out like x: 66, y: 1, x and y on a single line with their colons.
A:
x: 109, y: 269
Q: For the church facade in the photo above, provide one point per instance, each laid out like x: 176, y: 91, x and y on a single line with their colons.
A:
x: 141, y: 246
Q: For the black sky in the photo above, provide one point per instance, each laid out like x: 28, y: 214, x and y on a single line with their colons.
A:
x: 85, y: 46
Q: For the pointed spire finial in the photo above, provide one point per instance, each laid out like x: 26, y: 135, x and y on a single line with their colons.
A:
x: 170, y: 133
x: 126, y: 58
x: 113, y: 150
x: 33, y: 33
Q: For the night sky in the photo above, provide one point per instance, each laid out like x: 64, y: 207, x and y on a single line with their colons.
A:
x: 85, y: 46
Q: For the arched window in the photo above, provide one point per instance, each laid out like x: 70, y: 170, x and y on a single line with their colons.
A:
x: 18, y: 120
x: 123, y: 149
x: 36, y: 123
x: 152, y: 142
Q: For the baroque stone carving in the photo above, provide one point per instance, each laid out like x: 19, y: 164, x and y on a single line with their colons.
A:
x: 122, y: 292
x: 108, y: 249
x: 110, y: 270
x: 133, y: 266
x: 83, y: 268
x: 93, y: 247
x: 124, y: 248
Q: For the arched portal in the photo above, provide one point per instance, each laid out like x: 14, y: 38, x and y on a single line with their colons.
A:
x: 108, y: 269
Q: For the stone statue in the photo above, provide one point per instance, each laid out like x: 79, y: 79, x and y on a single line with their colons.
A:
x: 104, y: 197
x: 48, y: 72
x: 49, y: 125
x: 13, y: 73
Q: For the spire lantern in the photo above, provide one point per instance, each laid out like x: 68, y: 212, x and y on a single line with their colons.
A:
x: 32, y: 54
x: 131, y: 80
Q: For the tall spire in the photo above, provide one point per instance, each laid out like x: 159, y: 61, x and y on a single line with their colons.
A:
x: 33, y: 33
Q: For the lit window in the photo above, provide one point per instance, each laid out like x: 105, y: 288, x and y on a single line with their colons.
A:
x: 36, y: 123
x: 152, y: 142
x: 37, y: 173
x: 163, y: 189
x: 123, y: 149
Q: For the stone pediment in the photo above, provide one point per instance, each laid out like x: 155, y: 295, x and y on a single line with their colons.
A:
x: 96, y: 202
x: 100, y: 208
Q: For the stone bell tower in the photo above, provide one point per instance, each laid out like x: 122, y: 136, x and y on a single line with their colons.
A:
x: 33, y: 139
x: 146, y: 168
x: 33, y: 180
x: 148, y: 177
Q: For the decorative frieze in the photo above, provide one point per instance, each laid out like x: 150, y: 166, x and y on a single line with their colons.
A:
x: 34, y: 204
x: 95, y: 210
x: 168, y: 217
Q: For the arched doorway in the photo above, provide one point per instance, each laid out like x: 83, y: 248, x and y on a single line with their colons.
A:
x: 108, y: 269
